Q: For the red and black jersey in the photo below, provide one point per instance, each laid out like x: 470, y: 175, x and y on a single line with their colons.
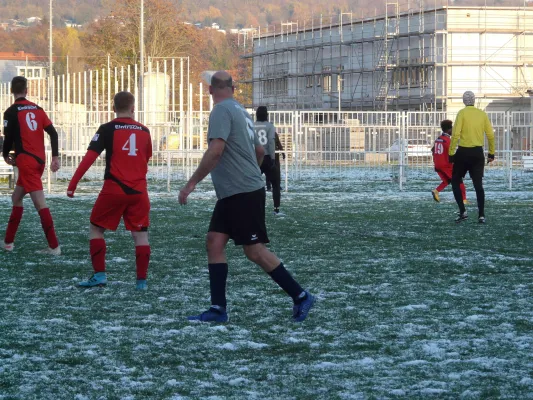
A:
x: 128, y: 147
x: 440, y: 152
x: 24, y: 126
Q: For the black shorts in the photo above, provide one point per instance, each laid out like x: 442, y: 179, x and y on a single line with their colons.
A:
x: 471, y: 160
x: 242, y: 217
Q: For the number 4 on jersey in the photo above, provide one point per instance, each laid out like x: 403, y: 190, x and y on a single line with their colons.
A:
x: 131, y: 145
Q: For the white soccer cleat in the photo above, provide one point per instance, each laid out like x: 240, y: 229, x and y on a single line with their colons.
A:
x: 52, y: 252
x: 8, y: 246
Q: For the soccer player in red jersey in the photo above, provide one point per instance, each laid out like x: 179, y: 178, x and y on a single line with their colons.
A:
x: 128, y: 147
x: 443, y: 167
x: 24, y: 126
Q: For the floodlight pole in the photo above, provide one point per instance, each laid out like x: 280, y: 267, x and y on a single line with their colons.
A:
x: 141, y: 77
x: 530, y: 93
x: 50, y: 71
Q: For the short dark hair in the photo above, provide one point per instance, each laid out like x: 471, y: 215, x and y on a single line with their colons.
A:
x: 123, y: 101
x: 19, y: 84
x: 446, y: 125
x: 221, y: 83
x: 261, y: 114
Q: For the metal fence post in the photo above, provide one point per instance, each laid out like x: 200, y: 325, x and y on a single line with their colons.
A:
x: 401, y: 174
x: 508, y: 133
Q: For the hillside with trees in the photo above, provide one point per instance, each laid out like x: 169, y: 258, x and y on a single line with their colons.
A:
x: 110, y: 29
x: 227, y: 13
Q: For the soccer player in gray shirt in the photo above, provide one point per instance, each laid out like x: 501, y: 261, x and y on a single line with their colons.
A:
x: 233, y: 158
x: 267, y: 138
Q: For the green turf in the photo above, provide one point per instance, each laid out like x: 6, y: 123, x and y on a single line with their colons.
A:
x: 410, y: 305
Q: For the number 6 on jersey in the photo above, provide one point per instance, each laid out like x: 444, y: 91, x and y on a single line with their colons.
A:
x: 132, y: 143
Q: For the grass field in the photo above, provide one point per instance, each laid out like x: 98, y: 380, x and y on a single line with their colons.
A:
x: 410, y: 305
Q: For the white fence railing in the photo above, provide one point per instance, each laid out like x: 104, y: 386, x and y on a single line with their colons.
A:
x: 393, y: 146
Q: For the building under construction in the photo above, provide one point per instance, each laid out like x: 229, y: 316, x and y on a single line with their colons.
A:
x: 412, y: 59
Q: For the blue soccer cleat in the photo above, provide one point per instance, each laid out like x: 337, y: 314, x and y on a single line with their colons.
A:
x: 141, y: 284
x: 213, y: 314
x: 300, y: 311
x: 98, y: 279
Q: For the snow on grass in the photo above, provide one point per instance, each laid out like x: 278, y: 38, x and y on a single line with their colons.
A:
x: 410, y: 305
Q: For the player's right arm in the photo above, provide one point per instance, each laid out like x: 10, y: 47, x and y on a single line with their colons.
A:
x: 217, y: 134
x: 456, y: 133
x: 95, y: 148
x: 9, y: 139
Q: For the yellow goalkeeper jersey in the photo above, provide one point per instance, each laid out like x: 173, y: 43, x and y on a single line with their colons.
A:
x: 471, y: 124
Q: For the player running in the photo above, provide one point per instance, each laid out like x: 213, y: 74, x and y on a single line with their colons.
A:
x: 443, y: 167
x: 128, y: 148
x: 24, y: 126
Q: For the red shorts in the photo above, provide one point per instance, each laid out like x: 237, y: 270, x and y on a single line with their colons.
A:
x: 110, y: 208
x: 30, y: 172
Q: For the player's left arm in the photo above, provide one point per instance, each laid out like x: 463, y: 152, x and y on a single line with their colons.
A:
x: 490, y: 137
x: 279, y: 146
x: 209, y: 161
x: 54, y: 143
x: 259, y: 154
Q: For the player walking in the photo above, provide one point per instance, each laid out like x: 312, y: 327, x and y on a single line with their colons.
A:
x: 128, y: 147
x: 471, y: 125
x: 233, y: 158
x: 24, y: 126
x: 266, y: 133
x: 443, y: 167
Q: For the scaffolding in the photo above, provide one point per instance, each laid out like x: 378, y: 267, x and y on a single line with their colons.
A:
x: 408, y: 58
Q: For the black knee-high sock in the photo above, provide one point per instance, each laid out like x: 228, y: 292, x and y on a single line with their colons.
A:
x: 458, y: 195
x: 218, y: 275
x: 480, y: 195
x: 285, y: 281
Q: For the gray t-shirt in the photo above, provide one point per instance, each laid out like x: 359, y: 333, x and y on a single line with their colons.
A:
x: 237, y: 171
x: 266, y: 134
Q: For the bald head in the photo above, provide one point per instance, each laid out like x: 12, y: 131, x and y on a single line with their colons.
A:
x: 221, y: 80
x: 221, y: 87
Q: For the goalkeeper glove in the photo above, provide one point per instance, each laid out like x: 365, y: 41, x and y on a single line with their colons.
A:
x: 451, y: 159
x: 490, y: 158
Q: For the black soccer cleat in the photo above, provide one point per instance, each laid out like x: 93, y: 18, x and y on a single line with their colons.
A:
x: 462, y: 217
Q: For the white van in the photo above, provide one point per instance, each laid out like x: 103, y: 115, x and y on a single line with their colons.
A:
x: 411, y: 148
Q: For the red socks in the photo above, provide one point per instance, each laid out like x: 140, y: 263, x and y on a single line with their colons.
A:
x: 97, y: 249
x: 48, y: 227
x: 442, y: 186
x: 142, y: 258
x: 13, y: 224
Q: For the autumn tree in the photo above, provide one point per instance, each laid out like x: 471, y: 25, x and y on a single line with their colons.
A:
x: 117, y: 35
x: 68, y: 51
